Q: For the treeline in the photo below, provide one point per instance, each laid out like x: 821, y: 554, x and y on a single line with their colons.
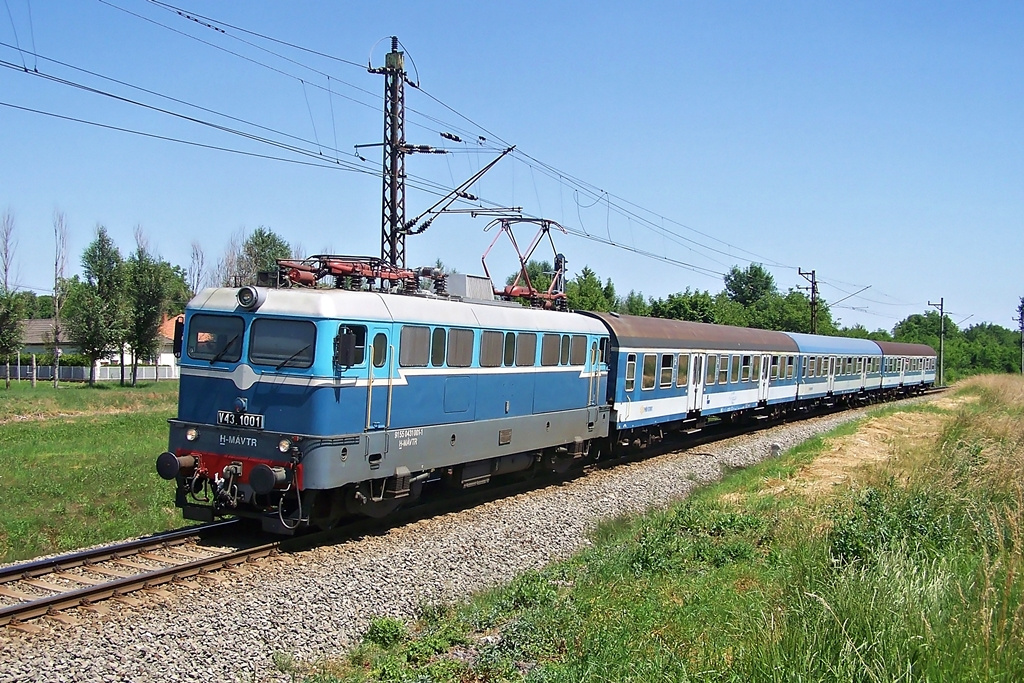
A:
x: 750, y: 298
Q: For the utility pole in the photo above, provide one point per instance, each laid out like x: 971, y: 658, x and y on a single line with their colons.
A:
x: 392, y: 247
x: 812, y: 278
x: 942, y: 335
x: 1020, y: 321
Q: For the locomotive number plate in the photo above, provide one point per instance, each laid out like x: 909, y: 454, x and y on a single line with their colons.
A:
x: 233, y: 419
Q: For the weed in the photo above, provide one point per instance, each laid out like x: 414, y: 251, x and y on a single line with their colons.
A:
x: 386, y: 632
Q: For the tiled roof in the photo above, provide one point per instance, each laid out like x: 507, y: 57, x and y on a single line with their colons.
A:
x: 40, y: 331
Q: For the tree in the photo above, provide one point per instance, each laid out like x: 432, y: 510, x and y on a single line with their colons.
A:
x: 60, y: 255
x: 149, y: 288
x: 586, y: 293
x: 196, y: 276
x: 97, y: 312
x: 748, y: 286
x: 260, y: 251
x: 695, y: 306
x: 635, y: 304
x: 8, y: 244
x: 11, y: 329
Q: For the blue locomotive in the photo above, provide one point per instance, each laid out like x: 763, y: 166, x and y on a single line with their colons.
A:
x: 302, y: 406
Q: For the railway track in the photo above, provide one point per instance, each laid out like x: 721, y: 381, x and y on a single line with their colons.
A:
x: 49, y: 586
x: 79, y: 579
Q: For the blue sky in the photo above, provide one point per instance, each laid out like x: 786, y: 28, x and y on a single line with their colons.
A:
x: 881, y: 144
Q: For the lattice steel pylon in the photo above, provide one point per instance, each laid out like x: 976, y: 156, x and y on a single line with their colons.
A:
x: 392, y: 247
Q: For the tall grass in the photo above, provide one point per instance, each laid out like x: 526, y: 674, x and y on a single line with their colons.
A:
x: 913, y: 573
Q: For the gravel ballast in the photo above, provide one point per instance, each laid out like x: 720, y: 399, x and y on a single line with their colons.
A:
x: 315, y: 603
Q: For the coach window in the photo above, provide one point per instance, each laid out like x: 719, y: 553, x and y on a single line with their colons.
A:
x: 414, y: 347
x: 745, y: 369
x: 773, y: 373
x: 380, y: 350
x: 666, y: 370
x: 437, y: 346
x: 578, y: 354
x: 755, y: 373
x: 712, y: 370
x: 490, y: 349
x: 809, y: 366
x: 526, y: 349
x: 549, y: 349
x: 510, y: 349
x: 650, y: 370
x: 683, y: 376
x: 217, y: 337
x: 282, y: 343
x: 630, y: 372
x: 723, y: 370
x: 860, y: 365
x: 460, y: 348
x: 563, y: 354
x: 790, y: 362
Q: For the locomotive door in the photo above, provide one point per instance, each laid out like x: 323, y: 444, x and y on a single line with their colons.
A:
x: 378, y: 385
x: 762, y: 384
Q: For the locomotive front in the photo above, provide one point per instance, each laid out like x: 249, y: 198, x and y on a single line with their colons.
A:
x: 252, y: 371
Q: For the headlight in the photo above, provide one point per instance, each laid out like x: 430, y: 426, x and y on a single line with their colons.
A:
x: 192, y: 434
x: 284, y: 445
x: 250, y: 298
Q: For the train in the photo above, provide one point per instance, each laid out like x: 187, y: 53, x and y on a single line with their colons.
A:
x: 304, y: 406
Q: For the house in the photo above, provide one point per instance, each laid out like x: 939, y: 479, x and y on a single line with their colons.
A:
x: 37, y: 338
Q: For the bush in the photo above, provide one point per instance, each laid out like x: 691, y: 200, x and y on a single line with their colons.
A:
x: 386, y: 631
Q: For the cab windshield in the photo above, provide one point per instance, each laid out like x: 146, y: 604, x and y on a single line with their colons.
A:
x: 282, y: 343
x: 215, y: 337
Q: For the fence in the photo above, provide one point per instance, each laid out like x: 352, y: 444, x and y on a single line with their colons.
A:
x: 105, y: 373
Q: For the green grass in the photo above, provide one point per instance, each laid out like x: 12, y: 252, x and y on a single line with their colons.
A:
x: 914, y: 573
x: 77, y: 466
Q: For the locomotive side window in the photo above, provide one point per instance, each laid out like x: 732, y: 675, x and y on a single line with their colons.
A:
x: 630, y: 372
x: 578, y: 355
x: 282, y: 343
x: 380, y: 349
x: 438, y: 343
x: 490, y: 349
x: 357, y: 335
x: 603, y: 350
x: 414, y: 347
x: 510, y: 349
x: 460, y: 348
x: 712, y: 370
x: 563, y: 355
x: 215, y: 337
x: 526, y: 349
x: 550, y: 347
x: 650, y: 370
x: 667, y: 361
x: 683, y: 375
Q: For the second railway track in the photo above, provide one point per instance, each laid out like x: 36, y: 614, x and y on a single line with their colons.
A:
x: 50, y: 585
